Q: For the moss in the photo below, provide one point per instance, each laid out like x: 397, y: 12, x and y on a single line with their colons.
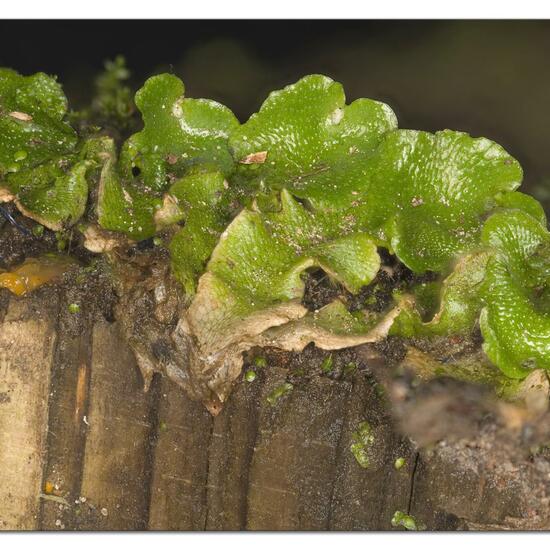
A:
x: 278, y: 392
x: 362, y: 441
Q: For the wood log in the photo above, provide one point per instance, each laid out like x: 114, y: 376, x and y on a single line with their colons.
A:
x: 82, y: 446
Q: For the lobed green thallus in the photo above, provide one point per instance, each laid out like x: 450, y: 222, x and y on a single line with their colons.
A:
x: 308, y: 181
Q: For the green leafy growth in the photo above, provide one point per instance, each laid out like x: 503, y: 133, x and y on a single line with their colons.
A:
x: 53, y: 194
x: 521, y: 201
x: 178, y: 135
x: 113, y: 103
x: 126, y: 207
x: 325, y: 184
x: 32, y: 122
x: 516, y: 330
x: 451, y: 307
x: 424, y: 195
x: 40, y: 165
x: 202, y: 199
x: 315, y: 145
x: 273, y: 249
x: 257, y: 264
x: 429, y: 193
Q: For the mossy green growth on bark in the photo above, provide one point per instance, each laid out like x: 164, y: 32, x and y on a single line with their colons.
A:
x: 308, y: 182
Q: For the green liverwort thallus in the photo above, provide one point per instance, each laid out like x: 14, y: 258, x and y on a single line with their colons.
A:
x: 308, y: 182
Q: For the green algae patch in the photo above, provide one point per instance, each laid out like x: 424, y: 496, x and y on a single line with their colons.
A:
x: 362, y: 441
x: 278, y: 392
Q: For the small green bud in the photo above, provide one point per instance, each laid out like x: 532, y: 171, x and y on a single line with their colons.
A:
x: 399, y: 463
x: 409, y: 523
x: 277, y: 393
x: 327, y: 364
x: 250, y: 376
x: 61, y: 241
x: 157, y: 241
x: 260, y: 362
x: 350, y: 368
x: 397, y: 518
x: 74, y: 308
x: 38, y: 230
x: 400, y: 519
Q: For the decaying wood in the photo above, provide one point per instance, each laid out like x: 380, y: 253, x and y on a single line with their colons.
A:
x: 82, y: 446
x: 26, y: 355
x: 180, y: 467
x: 116, y: 468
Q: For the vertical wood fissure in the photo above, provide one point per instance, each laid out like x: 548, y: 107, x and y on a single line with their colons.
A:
x: 67, y: 409
x: 413, y: 479
x: 154, y: 390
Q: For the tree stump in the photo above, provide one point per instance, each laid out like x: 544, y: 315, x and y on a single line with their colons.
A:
x: 82, y: 446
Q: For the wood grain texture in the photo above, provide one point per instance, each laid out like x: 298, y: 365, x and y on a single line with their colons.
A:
x: 68, y: 407
x: 231, y: 450
x: 180, y: 469
x: 117, y: 470
x: 73, y: 415
x: 366, y: 498
x: 293, y: 465
x: 27, y: 337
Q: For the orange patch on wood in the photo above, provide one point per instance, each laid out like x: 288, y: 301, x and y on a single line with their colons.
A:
x: 81, y: 392
x: 35, y: 272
